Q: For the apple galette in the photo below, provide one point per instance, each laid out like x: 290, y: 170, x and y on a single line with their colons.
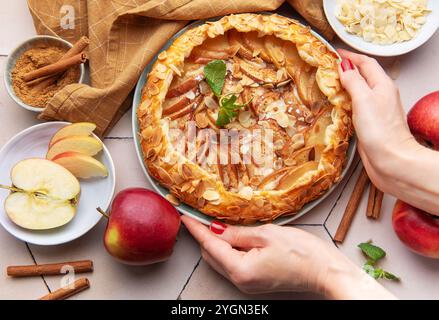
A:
x: 245, y: 119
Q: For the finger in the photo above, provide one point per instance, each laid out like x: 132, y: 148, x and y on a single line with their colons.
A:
x: 240, y: 237
x: 368, y: 67
x: 355, y: 84
x: 227, y: 257
x: 213, y: 263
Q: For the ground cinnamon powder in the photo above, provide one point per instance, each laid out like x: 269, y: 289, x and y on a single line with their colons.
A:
x: 33, y: 59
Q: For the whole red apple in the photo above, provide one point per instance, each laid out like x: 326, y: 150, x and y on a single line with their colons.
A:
x: 423, y: 120
x: 142, y: 227
x: 417, y: 229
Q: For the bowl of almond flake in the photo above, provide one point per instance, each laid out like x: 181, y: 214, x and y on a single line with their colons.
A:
x: 383, y: 27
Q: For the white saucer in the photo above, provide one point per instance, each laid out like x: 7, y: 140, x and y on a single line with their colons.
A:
x: 395, y: 49
x: 98, y: 192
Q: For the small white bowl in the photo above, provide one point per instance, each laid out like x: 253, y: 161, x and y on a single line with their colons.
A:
x: 96, y: 192
x: 395, y: 49
x: 18, y: 51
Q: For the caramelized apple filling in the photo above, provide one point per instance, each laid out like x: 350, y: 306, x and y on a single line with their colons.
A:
x: 244, y: 118
x: 281, y: 98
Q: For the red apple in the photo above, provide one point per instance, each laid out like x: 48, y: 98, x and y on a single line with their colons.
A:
x: 423, y: 120
x: 417, y: 229
x: 142, y: 227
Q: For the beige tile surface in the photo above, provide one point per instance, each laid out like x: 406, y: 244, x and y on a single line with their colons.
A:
x: 207, y: 284
x: 14, y: 252
x: 17, y: 18
x: 123, y: 127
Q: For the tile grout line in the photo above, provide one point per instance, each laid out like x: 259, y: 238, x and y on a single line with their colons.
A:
x: 335, y: 204
x: 189, y: 278
x: 341, y: 192
x: 330, y: 236
x: 35, y: 261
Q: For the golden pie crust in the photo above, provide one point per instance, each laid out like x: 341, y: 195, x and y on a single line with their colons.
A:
x: 290, y: 79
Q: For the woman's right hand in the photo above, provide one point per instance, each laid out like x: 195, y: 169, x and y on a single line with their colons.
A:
x: 271, y: 258
x: 378, y: 116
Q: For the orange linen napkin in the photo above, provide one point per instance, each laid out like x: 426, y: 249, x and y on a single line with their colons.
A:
x: 124, y: 37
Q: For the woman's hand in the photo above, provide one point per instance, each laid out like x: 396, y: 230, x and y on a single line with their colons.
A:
x: 378, y: 116
x: 270, y: 258
x: 394, y: 161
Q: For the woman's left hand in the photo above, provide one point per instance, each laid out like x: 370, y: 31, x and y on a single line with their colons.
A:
x: 270, y: 258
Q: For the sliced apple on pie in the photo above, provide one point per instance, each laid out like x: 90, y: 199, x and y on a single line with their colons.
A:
x: 243, y: 118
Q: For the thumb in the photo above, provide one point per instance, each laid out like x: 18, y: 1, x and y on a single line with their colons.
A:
x: 239, y: 237
x: 352, y: 80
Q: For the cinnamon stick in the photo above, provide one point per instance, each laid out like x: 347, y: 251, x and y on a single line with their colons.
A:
x: 68, y: 291
x: 374, y: 202
x: 49, y: 269
x: 371, y: 201
x: 78, y: 47
x: 378, y: 203
x: 59, y: 66
x: 43, y: 82
x: 352, y: 206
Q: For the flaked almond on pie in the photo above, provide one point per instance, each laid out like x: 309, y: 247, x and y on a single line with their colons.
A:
x: 245, y: 119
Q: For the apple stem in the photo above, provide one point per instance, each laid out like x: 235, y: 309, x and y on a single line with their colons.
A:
x: 10, y: 188
x: 103, y: 212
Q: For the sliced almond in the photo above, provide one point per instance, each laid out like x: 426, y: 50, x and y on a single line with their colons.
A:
x: 246, y: 192
x: 201, y: 120
x: 211, y: 195
x: 172, y: 199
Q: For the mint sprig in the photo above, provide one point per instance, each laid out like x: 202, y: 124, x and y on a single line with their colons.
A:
x: 215, y: 74
x: 374, y: 254
x: 228, y: 109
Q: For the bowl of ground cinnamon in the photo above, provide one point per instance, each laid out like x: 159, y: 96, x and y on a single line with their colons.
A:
x: 40, y: 67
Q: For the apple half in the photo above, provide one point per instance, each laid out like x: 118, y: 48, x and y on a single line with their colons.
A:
x: 44, y: 195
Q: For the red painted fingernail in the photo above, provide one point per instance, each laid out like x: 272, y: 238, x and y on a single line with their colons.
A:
x: 217, y: 227
x: 347, y: 64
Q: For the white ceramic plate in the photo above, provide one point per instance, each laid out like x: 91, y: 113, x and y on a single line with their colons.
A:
x: 356, y: 42
x: 186, y: 209
x: 32, y: 142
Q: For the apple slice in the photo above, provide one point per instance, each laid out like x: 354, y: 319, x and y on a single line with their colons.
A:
x: 182, y: 86
x: 289, y: 179
x: 84, y: 144
x: 258, y: 73
x: 81, y: 165
x: 255, y: 43
x: 74, y: 129
x: 44, y: 195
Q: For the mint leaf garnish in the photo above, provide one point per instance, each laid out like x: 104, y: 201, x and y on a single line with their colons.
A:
x: 215, y: 73
x: 375, y: 253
